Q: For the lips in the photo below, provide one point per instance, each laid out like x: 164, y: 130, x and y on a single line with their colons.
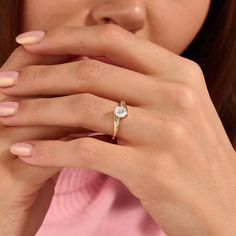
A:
x: 99, y: 58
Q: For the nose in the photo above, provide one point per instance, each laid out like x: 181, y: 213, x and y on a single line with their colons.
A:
x: 129, y: 14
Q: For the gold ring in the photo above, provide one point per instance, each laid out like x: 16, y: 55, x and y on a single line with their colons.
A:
x: 119, y: 112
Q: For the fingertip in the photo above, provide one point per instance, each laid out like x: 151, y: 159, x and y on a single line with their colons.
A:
x: 31, y: 37
x: 22, y: 149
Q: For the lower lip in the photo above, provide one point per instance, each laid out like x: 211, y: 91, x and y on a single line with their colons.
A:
x: 77, y: 58
x: 99, y: 58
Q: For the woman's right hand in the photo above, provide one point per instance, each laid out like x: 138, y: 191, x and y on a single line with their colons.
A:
x: 25, y: 190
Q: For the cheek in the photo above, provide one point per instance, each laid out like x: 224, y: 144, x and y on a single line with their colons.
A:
x: 48, y: 14
x: 174, y: 24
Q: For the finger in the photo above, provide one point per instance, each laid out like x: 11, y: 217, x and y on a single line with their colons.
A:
x: 90, y: 76
x: 82, y: 110
x: 120, y: 46
x: 23, y: 173
x: 28, y: 174
x: 111, y: 159
x: 20, y: 58
x: 17, y: 134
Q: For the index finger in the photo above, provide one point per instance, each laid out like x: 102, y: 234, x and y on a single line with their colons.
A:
x: 20, y: 58
x: 120, y: 46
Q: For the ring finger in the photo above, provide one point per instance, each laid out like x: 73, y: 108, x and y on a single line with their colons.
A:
x: 81, y: 110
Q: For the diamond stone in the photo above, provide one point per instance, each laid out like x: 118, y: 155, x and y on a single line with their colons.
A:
x: 121, y: 112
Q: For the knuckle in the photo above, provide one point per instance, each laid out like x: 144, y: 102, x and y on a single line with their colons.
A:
x: 86, y: 151
x: 46, y: 153
x: 86, y: 70
x: 31, y: 107
x: 34, y: 76
x: 185, y: 97
x: 88, y: 103
x: 34, y: 110
x: 82, y: 105
x: 194, y: 73
x: 194, y: 69
x: 176, y: 132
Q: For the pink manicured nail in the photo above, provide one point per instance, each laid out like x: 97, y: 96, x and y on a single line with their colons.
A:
x: 8, y: 108
x: 30, y: 37
x: 21, y: 149
x: 8, y: 78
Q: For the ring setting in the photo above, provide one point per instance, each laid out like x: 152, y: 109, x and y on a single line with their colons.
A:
x: 119, y: 112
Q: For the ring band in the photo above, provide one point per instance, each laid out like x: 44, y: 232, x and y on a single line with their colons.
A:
x: 119, y: 112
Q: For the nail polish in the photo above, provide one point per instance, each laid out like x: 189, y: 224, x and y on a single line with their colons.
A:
x: 30, y: 37
x: 21, y: 149
x: 8, y: 108
x: 8, y: 78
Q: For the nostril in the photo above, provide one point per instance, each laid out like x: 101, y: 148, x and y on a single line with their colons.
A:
x: 108, y: 20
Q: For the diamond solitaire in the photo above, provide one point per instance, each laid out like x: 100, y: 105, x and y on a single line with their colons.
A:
x: 119, y: 112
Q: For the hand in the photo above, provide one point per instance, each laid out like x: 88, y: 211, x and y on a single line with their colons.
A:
x: 25, y: 190
x: 172, y: 151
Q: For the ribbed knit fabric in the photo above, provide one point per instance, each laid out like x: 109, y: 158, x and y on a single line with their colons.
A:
x: 89, y: 203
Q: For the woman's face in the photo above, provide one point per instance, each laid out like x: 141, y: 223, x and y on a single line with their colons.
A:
x: 170, y: 23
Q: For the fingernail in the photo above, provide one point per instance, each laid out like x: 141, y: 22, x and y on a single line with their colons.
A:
x: 30, y: 37
x: 8, y: 108
x: 8, y: 78
x: 21, y: 149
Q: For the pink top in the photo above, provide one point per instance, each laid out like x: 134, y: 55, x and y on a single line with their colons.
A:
x: 89, y: 203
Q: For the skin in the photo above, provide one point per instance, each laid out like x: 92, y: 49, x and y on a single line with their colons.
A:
x: 187, y: 157
x: 150, y: 20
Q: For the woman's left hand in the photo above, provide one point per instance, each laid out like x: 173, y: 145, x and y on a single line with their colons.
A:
x: 172, y: 151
